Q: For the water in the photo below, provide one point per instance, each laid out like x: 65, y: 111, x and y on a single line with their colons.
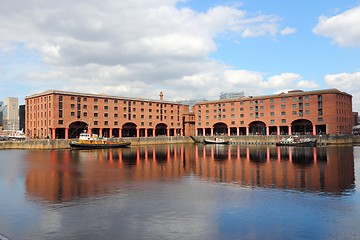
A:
x: 181, y: 192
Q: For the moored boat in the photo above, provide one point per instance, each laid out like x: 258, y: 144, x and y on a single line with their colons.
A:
x: 94, y: 142
x: 216, y: 141
x: 297, y: 141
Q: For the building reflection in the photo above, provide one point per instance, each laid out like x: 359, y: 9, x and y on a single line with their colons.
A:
x: 65, y: 175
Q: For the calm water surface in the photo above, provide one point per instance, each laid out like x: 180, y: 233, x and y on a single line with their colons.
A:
x: 181, y: 192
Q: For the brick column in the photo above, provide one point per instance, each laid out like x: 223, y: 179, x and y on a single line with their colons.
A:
x: 247, y: 131
x: 278, y: 130
x: 314, y: 130
x: 267, y: 131
x: 289, y: 127
x: 53, y: 133
x: 66, y: 133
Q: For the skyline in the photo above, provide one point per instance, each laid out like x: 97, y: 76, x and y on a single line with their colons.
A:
x: 186, y: 49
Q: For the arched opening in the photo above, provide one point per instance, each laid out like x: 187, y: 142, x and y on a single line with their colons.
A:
x: 302, y: 127
x: 257, y: 128
x: 220, y: 129
x: 75, y: 128
x: 129, y: 130
x: 161, y: 129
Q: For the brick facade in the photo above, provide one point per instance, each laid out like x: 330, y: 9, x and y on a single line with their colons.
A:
x: 312, y: 112
x: 58, y: 114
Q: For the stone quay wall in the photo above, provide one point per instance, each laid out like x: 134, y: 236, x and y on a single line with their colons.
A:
x: 256, y: 139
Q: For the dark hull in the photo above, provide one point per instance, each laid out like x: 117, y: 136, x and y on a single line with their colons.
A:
x: 303, y: 144
x: 76, y: 145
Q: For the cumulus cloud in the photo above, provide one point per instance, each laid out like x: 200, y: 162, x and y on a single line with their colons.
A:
x: 343, y: 29
x: 349, y: 82
x: 287, y: 31
x: 131, y: 47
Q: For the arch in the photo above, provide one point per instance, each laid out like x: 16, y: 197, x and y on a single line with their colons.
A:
x: 161, y: 129
x: 129, y: 130
x: 220, y: 128
x: 257, y: 128
x: 75, y: 128
x: 302, y: 126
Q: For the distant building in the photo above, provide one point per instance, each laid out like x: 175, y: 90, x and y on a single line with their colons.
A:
x: 11, y: 114
x: 2, y: 108
x: 231, y: 95
x: 22, y: 117
x: 191, y: 102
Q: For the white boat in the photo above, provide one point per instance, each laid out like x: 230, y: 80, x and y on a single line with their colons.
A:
x: 296, y: 141
x: 17, y: 135
x: 216, y: 141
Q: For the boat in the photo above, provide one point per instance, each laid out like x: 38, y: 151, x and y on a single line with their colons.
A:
x: 17, y: 136
x: 216, y: 141
x: 86, y: 141
x: 297, y: 141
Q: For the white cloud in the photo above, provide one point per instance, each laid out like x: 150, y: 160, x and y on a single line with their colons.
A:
x: 349, y: 82
x: 343, y: 29
x: 346, y: 81
x: 287, y: 31
x: 131, y: 47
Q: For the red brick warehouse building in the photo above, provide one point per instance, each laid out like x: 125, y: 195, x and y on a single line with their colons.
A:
x: 311, y: 112
x: 59, y: 114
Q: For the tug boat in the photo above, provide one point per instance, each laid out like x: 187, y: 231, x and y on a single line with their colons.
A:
x: 86, y: 141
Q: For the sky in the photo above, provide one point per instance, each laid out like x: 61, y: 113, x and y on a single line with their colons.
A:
x: 189, y: 49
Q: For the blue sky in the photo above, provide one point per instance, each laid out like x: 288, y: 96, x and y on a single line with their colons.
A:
x: 187, y: 49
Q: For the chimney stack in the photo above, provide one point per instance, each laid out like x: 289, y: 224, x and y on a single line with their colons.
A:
x: 161, y: 96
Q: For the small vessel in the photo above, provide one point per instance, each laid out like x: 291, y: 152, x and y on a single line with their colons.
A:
x: 297, y: 141
x: 17, y: 135
x: 216, y: 141
x: 95, y: 142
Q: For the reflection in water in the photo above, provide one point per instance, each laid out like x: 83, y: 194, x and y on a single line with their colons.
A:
x: 64, y: 175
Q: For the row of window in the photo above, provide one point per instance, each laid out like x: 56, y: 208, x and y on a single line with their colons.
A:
x: 300, y: 112
x: 116, y: 123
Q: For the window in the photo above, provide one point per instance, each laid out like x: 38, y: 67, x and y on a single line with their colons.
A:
x: 72, y: 106
x: 96, y: 100
x: 272, y: 121
x: 106, y: 115
x: 72, y: 98
x: 72, y: 114
x: 283, y: 113
x: 96, y: 114
x: 294, y: 106
x: 115, y: 108
x: 320, y: 113
x: 96, y: 123
x: 283, y: 120
x: 116, y: 123
x: 320, y: 119
x: 241, y: 109
x: 61, y: 122
x: 272, y: 114
x: 116, y: 115
x: 85, y: 114
x: 85, y: 106
x: 85, y: 99
x: 271, y: 100
x: 95, y: 107
x: 283, y: 100
x: 307, y: 111
x: 105, y: 100
x: 106, y: 107
x: 106, y: 123
x: 294, y: 112
x: 271, y: 106
x: 283, y: 106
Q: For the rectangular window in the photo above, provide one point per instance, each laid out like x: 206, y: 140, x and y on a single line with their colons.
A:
x: 272, y: 114
x: 283, y: 120
x: 272, y: 121
x: 96, y: 123
x: 283, y: 113
x: 320, y: 119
